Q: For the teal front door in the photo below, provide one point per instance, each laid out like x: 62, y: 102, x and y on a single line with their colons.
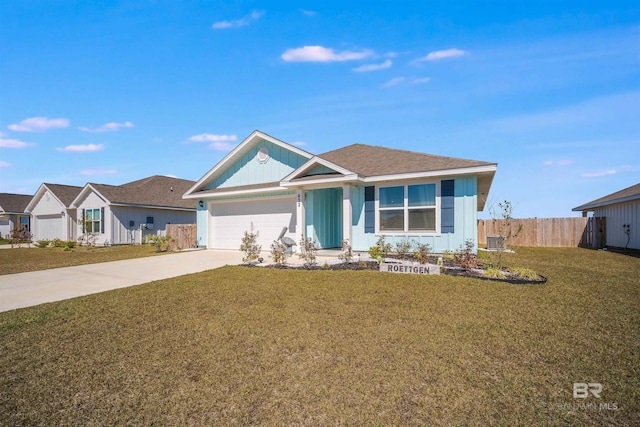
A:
x: 324, y: 217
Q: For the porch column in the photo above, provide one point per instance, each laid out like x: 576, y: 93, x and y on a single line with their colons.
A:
x: 300, y: 215
x: 346, y: 213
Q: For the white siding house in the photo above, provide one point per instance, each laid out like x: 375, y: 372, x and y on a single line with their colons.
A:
x: 12, y: 213
x: 52, y: 214
x: 128, y: 213
x: 621, y: 211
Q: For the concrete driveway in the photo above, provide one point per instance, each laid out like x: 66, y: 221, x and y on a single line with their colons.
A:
x: 27, y: 289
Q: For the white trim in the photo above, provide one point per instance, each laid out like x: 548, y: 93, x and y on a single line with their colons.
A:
x: 250, y: 140
x: 315, y: 160
x: 405, y: 209
x: 204, y: 195
x: 88, y: 187
x: 430, y: 174
x: 275, y: 197
x: 320, y: 181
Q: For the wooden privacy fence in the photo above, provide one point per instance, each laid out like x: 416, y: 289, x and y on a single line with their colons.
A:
x: 566, y: 232
x: 184, y: 235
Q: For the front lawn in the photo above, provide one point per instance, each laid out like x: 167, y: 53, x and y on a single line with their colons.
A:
x: 20, y: 260
x: 242, y: 345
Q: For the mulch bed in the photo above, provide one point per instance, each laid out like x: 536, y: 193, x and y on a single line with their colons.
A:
x: 449, y: 268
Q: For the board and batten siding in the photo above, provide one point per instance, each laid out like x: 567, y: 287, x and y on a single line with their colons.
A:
x: 465, y: 218
x: 248, y: 170
x: 47, y: 207
x: 120, y: 217
x: 617, y: 216
x: 93, y: 201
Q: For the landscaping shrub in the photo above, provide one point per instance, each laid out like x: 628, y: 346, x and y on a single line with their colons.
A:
x: 403, y: 248
x: 380, y: 249
x: 250, y: 246
x: 465, y: 256
x: 43, y: 243
x: 279, y: 253
x: 422, y: 252
x: 308, y: 251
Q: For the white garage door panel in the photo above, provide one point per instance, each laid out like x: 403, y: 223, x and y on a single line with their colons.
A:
x: 229, y: 221
x: 49, y: 227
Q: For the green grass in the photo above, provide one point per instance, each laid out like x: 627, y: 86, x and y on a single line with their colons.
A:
x: 279, y: 347
x: 20, y: 260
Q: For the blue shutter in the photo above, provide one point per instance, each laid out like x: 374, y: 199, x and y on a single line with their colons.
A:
x: 102, y: 220
x: 84, y: 218
x: 369, y: 209
x: 447, y: 205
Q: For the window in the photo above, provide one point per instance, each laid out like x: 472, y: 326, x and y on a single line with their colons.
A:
x: 92, y: 220
x: 407, y: 208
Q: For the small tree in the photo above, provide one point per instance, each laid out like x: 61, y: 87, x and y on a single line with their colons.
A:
x: 422, y: 252
x: 308, y: 251
x: 19, y: 236
x: 380, y: 249
x: 250, y: 245
x: 279, y: 253
x: 502, y: 218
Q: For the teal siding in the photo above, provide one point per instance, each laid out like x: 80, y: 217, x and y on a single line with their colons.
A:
x: 248, y: 170
x: 465, y: 220
x: 320, y: 170
x: 324, y: 216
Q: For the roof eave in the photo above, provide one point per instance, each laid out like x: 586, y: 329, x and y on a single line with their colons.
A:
x: 210, y: 195
x: 238, y: 149
x: 471, y: 170
x: 591, y: 206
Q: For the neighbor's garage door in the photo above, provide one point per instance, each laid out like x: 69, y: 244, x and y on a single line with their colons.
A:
x: 49, y: 227
x: 229, y: 221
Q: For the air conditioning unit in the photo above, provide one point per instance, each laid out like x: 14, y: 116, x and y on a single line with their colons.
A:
x: 496, y: 243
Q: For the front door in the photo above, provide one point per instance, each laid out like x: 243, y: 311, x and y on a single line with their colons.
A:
x: 324, y: 217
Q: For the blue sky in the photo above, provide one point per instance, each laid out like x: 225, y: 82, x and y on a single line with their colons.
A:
x: 111, y: 92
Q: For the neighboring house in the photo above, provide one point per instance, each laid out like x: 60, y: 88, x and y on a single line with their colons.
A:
x: 52, y: 216
x: 128, y: 213
x: 359, y: 193
x: 621, y: 215
x: 12, y: 213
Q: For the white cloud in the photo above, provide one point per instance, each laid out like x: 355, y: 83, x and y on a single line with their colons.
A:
x: 82, y: 148
x: 107, y: 127
x: 98, y: 171
x: 208, y: 137
x: 599, y: 173
x: 373, y: 67
x: 558, y: 162
x: 4, y: 164
x: 441, y: 54
x: 309, y: 12
x: 242, y: 22
x: 299, y: 143
x: 221, y: 146
x: 14, y: 143
x: 323, y: 54
x: 38, y: 124
x: 421, y: 80
x: 394, y: 82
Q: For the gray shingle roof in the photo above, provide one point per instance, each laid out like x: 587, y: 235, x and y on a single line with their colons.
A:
x: 66, y: 193
x: 14, y: 203
x: 369, y: 160
x: 629, y: 193
x: 157, y: 190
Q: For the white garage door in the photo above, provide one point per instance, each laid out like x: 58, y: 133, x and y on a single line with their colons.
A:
x: 49, y: 227
x: 229, y: 221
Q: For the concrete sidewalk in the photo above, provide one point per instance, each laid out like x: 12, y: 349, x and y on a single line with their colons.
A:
x: 27, y: 289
